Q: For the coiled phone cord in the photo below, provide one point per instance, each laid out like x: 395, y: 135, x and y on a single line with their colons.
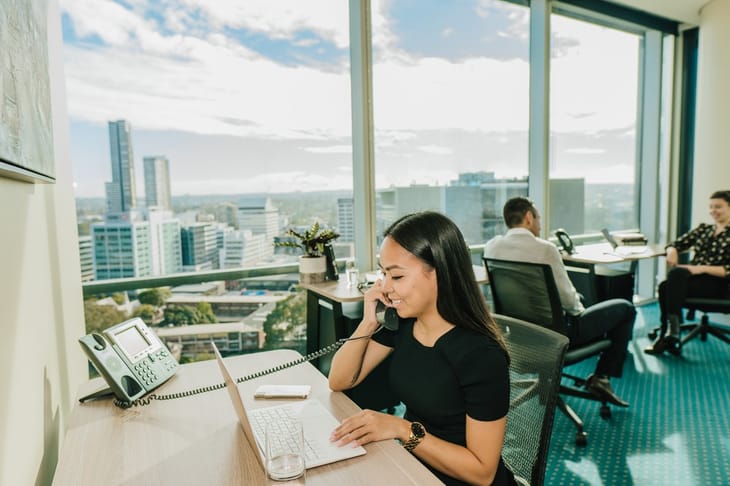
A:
x: 204, y: 389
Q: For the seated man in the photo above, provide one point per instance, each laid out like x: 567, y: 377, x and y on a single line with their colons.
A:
x: 612, y: 318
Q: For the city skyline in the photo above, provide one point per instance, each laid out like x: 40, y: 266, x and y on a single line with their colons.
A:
x: 254, y: 97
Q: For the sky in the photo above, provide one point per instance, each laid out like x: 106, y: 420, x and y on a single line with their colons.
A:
x: 254, y: 96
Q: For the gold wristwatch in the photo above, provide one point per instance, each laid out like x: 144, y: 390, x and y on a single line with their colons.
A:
x: 418, y: 432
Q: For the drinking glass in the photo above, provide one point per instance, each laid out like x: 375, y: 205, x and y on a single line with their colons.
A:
x: 352, y: 274
x: 284, y: 449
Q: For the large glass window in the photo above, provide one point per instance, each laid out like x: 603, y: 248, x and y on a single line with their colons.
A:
x: 450, y: 89
x: 594, y: 85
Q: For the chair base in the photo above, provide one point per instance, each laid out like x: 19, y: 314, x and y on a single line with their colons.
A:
x: 701, y: 330
x: 581, y: 437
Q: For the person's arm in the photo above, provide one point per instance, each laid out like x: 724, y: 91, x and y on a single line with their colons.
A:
x: 476, y: 463
x: 672, y: 256
x: 356, y: 359
x: 713, y: 270
x: 569, y: 297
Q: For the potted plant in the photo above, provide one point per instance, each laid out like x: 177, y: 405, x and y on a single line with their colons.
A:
x: 312, y: 242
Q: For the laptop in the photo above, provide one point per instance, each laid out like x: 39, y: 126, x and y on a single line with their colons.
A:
x: 622, y: 250
x: 317, y: 424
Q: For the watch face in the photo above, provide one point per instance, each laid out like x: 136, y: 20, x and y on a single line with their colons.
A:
x: 418, y: 430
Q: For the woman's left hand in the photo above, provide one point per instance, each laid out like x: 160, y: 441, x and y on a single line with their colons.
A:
x: 369, y: 426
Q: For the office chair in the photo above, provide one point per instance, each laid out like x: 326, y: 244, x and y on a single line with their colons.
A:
x: 527, y: 291
x: 703, y: 328
x: 536, y: 360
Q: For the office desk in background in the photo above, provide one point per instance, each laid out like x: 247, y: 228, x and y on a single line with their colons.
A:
x: 197, y: 439
x: 600, y: 272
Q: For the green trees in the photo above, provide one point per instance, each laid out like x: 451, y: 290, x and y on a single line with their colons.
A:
x: 156, y: 297
x: 281, y: 322
x: 183, y: 315
x: 100, y: 317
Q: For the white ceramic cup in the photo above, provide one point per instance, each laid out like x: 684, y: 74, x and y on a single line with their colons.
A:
x: 284, y: 450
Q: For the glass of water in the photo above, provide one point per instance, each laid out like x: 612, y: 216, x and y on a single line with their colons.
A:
x: 284, y: 449
x: 352, y: 274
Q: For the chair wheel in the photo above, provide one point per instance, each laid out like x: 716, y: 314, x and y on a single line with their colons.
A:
x: 605, y: 412
x: 652, y: 335
x: 581, y: 439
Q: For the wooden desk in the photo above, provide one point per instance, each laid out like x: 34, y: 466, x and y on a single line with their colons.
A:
x: 592, y: 269
x: 197, y: 440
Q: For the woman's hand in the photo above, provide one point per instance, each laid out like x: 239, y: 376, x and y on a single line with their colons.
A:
x: 374, y: 294
x: 672, y: 256
x: 369, y: 426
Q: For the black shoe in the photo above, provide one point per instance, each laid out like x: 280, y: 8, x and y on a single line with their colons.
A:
x: 673, y: 345
x: 601, y: 388
x: 658, y: 346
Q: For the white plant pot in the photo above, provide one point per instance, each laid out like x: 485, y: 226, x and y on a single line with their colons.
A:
x: 312, y: 269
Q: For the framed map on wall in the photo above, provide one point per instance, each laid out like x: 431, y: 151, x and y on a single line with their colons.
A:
x: 26, y: 132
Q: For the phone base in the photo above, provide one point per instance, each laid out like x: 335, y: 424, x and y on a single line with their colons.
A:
x: 103, y: 393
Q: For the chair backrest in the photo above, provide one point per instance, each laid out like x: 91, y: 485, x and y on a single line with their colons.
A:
x: 526, y: 291
x: 536, y: 360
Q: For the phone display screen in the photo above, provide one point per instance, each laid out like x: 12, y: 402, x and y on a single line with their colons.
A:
x: 132, y: 341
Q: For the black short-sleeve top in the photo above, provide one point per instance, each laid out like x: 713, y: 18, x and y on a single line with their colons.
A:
x: 464, y: 373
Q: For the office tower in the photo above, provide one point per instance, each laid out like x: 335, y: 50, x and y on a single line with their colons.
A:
x: 122, y: 248
x: 259, y: 216
x: 165, y: 245
x: 86, y: 257
x: 120, y: 192
x: 345, y: 219
x: 199, y: 247
x: 242, y: 248
x: 157, y: 182
x: 494, y: 195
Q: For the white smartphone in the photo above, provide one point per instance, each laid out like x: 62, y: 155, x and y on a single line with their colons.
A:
x: 282, y: 391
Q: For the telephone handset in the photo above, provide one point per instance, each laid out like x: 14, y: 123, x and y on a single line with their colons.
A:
x: 386, y: 316
x: 129, y: 395
x: 130, y: 357
x: 565, y: 242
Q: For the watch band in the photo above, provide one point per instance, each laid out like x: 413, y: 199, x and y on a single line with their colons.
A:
x: 418, y: 432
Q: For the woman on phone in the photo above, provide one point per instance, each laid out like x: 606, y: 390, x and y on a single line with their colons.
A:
x: 450, y: 363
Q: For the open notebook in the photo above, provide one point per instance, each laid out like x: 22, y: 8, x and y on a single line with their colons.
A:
x: 317, y: 424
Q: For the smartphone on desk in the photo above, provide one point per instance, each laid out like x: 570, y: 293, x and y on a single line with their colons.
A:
x: 130, y: 357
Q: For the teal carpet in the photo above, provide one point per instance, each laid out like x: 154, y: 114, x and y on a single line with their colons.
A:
x: 676, y: 431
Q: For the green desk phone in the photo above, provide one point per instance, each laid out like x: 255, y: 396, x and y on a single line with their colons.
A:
x: 130, y: 357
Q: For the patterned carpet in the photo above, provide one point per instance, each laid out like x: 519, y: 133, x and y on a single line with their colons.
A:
x: 676, y: 431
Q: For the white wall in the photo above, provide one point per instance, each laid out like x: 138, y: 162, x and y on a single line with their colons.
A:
x: 712, y: 139
x: 41, y: 311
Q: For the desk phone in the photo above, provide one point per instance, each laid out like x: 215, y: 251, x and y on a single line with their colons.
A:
x: 130, y: 357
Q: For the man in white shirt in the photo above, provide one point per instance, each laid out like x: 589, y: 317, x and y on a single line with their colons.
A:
x: 613, y: 318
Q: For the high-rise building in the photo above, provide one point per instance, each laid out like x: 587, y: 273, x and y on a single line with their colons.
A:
x: 259, y: 216
x: 120, y: 192
x: 242, y: 248
x: 157, y: 182
x: 86, y: 256
x: 199, y: 247
x: 165, y: 242
x: 345, y: 219
x: 122, y: 248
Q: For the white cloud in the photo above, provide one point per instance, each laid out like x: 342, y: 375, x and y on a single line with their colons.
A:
x: 332, y: 149
x: 266, y: 183
x: 586, y: 151
x: 435, y: 149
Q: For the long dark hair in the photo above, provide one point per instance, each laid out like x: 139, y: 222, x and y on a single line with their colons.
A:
x: 437, y: 241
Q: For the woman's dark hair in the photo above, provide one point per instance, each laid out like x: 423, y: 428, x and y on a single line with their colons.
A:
x: 437, y: 241
x: 721, y: 195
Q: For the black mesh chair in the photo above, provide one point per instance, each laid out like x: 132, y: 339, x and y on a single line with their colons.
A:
x: 536, y: 360
x: 527, y: 291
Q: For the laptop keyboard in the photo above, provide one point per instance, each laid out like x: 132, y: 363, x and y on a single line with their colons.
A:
x: 277, y: 415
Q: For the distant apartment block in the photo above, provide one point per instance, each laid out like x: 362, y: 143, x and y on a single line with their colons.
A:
x: 165, y: 242
x: 567, y: 205
x: 243, y: 248
x: 345, y: 219
x: 122, y: 249
x: 86, y: 256
x: 258, y: 215
x: 199, y: 247
x: 120, y: 192
x: 230, y: 338
x: 157, y: 182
